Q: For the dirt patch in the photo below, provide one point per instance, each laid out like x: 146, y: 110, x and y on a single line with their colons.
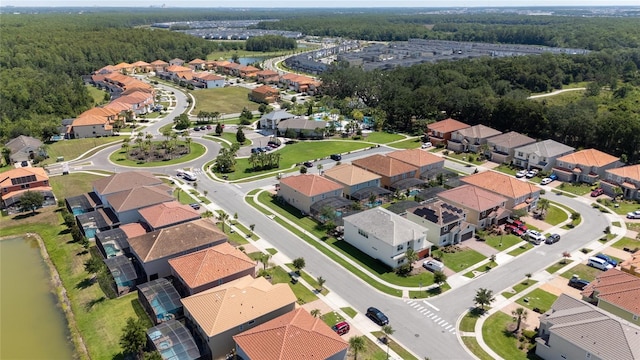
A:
x: 532, y: 321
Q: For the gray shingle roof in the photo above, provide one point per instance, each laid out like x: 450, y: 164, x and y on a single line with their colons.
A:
x: 546, y: 148
x: 300, y: 123
x: 21, y: 142
x: 510, y: 140
x: 387, y: 226
x: 278, y: 115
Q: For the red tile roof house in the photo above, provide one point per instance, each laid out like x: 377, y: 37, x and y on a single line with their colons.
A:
x: 247, y: 71
x: 153, y: 250
x: 484, y: 208
x: 587, y: 166
x: 471, y: 138
x: 265, y: 94
x: 502, y: 148
x: 302, y: 191
x: 142, y: 67
x: 208, y: 268
x: 15, y: 182
x: 440, y: 132
x: 632, y: 264
x: 616, y: 292
x: 626, y: 178
x: 197, y: 64
x: 391, y: 170
x: 267, y: 77
x: 282, y: 337
x: 446, y: 223
x: 220, y: 313
x: 91, y: 126
x: 159, y: 65
x: 425, y: 161
x: 519, y: 194
x: 166, y: 214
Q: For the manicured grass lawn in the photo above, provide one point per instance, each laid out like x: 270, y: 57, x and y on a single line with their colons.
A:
x: 507, y: 169
x: 555, y: 215
x: 380, y: 137
x: 96, y: 94
x: 422, y: 294
x: 371, y: 351
x: 472, y: 344
x: 231, y: 137
x: 626, y: 242
x: 496, y: 335
x: 468, y: 321
x: 402, y: 352
x: 224, y: 55
x: 633, y: 226
x: 304, y: 295
x: 462, y: 259
x: 197, y: 150
x: 407, y: 144
x: 296, y: 154
x: 518, y: 288
x: 73, y: 184
x: 616, y: 223
x: 71, y: 149
x: 184, y: 197
x: 507, y: 241
x: 331, y: 318
x: 308, y: 279
x: 583, y: 271
x: 520, y: 249
x: 538, y: 298
x: 349, y: 311
x: 625, y: 207
x: 577, y: 189
x: 227, y: 100
x: 557, y: 266
x: 246, y: 230
x: 466, y: 157
x: 234, y: 238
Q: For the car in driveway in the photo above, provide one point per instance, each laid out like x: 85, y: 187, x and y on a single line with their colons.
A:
x: 576, y: 282
x: 377, y: 316
x: 195, y: 206
x: 597, y: 192
x: 517, y: 223
x: 531, y: 173
x: 518, y: 232
x: 341, y: 328
x: 535, y: 237
x: 552, y: 239
x: 607, y: 259
x: 426, y: 145
x: 633, y: 215
x: 521, y: 173
x: 546, y: 181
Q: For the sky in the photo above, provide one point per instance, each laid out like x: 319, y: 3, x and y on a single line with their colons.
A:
x: 323, y: 4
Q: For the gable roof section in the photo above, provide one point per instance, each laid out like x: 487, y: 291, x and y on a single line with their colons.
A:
x: 348, y: 174
x: 229, y: 305
x: 416, y: 157
x: 383, y: 165
x: 310, y: 184
x: 132, y: 230
x: 20, y: 142
x: 292, y: 336
x: 196, y: 62
x: 546, y: 148
x: 447, y: 125
x: 589, y: 157
x: 140, y: 63
x: 501, y: 184
x: 211, y: 264
x: 388, y: 227
x: 302, y: 123
x: 472, y: 197
x: 278, y: 115
x: 616, y: 287
x: 159, y: 63
x: 38, y: 173
x: 168, y: 213
x: 479, y: 131
x: 510, y: 140
x: 90, y: 120
x: 630, y: 172
x: 265, y: 89
x: 207, y: 76
x: 267, y: 73
x: 632, y: 264
x: 438, y: 212
x: 178, y: 69
x: 176, y: 239
x: 575, y: 321
x: 124, y: 181
x: 139, y: 197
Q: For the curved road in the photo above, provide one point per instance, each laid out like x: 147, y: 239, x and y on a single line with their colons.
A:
x: 419, y: 333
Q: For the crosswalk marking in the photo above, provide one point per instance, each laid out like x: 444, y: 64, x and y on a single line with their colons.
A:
x: 431, y: 314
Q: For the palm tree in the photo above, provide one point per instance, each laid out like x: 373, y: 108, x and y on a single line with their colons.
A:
x: 126, y: 142
x: 264, y: 259
x: 315, y: 313
x: 223, y: 216
x: 357, y: 344
x: 321, y: 282
x: 528, y: 275
x: 543, y: 205
x: 519, y: 314
x: 387, y: 330
x: 411, y: 256
x: 484, y: 297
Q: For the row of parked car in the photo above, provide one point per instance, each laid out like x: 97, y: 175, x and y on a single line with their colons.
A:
x: 518, y: 228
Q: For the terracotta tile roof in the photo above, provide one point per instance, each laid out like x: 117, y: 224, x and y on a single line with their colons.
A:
x: 159, y: 63
x: 140, y: 63
x: 5, y: 177
x: 416, y: 157
x: 106, y: 69
x: 20, y: 192
x: 168, y: 213
x: 293, y: 336
x: 248, y: 68
x: 589, y: 157
x: 140, y: 197
x: 238, y: 302
x: 632, y: 264
x: 502, y: 184
x: 348, y: 174
x: 90, y: 120
x: 267, y: 73
x: 122, y: 65
x: 100, y: 111
x: 212, y: 264
x: 629, y: 172
x: 178, y: 239
x: 178, y: 69
x: 616, y: 287
x: 383, y: 165
x: 310, y: 184
x: 137, y: 97
x: 207, y: 76
x: 118, y: 106
x: 133, y: 229
x: 473, y: 197
x: 196, y: 62
x: 124, y: 181
x: 510, y: 140
x: 447, y: 126
x: 265, y: 89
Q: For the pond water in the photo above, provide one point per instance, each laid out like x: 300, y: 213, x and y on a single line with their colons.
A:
x: 33, y: 325
x: 248, y: 60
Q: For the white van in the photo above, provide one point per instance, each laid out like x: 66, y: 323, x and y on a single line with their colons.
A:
x: 433, y: 265
x: 188, y: 175
x: 599, y: 263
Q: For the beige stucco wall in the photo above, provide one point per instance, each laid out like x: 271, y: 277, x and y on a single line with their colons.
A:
x: 86, y: 131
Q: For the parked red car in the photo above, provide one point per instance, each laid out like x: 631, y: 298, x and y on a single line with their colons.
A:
x: 597, y: 192
x: 518, y: 232
x: 341, y: 328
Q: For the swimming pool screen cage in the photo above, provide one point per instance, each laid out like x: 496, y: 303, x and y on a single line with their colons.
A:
x: 161, y: 300
x: 173, y: 341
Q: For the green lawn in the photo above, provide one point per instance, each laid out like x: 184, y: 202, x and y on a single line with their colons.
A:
x: 234, y: 238
x: 380, y: 137
x: 633, y: 226
x: 472, y: 344
x: 71, y: 149
x: 520, y: 249
x: 507, y: 241
x: 625, y: 207
x: 507, y: 169
x: 468, y: 321
x: 626, y: 242
x: 96, y: 94
x: 371, y: 351
x: 577, y: 189
x: 331, y: 318
x: 184, y: 197
x: 466, y: 157
x: 407, y: 144
x: 304, y: 295
x: 246, y: 230
x: 518, y: 288
x: 349, y: 311
x: 118, y: 157
x: 555, y: 215
x: 309, y: 280
x: 402, y: 352
x: 538, y: 298
x: 557, y: 266
x: 462, y: 259
x: 422, y: 294
x: 297, y: 154
x: 231, y: 137
x: 73, y: 184
x: 504, y: 343
x: 228, y: 100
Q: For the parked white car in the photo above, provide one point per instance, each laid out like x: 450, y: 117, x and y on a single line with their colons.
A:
x: 546, y: 181
x: 531, y: 173
x: 534, y: 236
x: 634, y: 215
x: 426, y: 145
x: 521, y: 173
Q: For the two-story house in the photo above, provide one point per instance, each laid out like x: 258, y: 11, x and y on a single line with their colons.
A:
x: 588, y: 166
x: 302, y: 191
x: 425, y: 161
x: 445, y: 222
x: 616, y: 292
x: 159, y: 65
x: 267, y: 77
x: 15, y: 182
x: 128, y: 203
x: 165, y: 214
x: 502, y: 147
x: 91, y: 126
x: 627, y: 178
x: 197, y: 64
x: 24, y: 148
x: 484, y: 208
x: 271, y: 120
x: 356, y: 181
x: 265, y: 94
x: 541, y: 155
x: 385, y: 236
x: 123, y: 181
x: 391, y: 170
x: 519, y: 194
x: 471, y: 139
x: 209, y: 80
x: 440, y: 132
x: 217, y: 314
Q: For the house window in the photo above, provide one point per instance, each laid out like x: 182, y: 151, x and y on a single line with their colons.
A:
x: 363, y: 233
x: 400, y: 247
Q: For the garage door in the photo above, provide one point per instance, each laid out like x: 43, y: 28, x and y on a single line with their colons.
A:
x: 466, y: 236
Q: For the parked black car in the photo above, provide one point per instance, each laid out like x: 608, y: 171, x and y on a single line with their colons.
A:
x: 377, y: 316
x: 552, y: 239
x: 336, y: 157
x: 308, y: 164
x: 578, y: 283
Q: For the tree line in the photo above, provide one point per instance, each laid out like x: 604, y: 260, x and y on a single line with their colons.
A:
x: 267, y: 43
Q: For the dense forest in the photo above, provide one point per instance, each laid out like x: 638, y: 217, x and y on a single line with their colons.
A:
x: 270, y: 43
